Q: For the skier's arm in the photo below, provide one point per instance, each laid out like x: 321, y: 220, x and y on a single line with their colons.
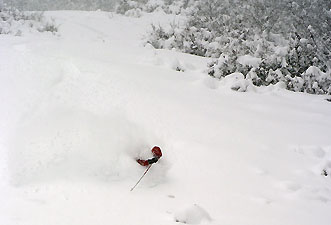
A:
x: 142, y: 162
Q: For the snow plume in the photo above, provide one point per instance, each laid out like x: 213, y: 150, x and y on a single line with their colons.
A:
x: 73, y: 145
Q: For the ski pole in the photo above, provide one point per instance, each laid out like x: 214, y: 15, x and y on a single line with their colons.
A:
x: 141, y: 177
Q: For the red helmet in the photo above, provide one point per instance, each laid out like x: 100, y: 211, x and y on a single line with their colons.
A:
x: 156, y: 152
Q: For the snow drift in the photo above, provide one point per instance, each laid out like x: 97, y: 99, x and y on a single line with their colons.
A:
x: 78, y: 108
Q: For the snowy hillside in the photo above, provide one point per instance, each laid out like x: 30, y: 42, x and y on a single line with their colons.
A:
x: 78, y: 107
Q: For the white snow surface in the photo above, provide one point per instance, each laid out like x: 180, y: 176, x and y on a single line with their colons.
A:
x: 77, y: 109
x: 192, y: 215
x: 248, y: 60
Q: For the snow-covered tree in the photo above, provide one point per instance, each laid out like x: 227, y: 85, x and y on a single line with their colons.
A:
x: 14, y: 21
x: 287, y: 37
x: 62, y: 4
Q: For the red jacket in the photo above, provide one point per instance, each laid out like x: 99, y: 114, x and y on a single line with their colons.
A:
x: 157, y: 154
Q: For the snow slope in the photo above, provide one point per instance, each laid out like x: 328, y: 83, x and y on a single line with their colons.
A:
x: 78, y: 108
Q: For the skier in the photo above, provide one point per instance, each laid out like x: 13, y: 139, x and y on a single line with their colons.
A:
x: 156, y: 156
